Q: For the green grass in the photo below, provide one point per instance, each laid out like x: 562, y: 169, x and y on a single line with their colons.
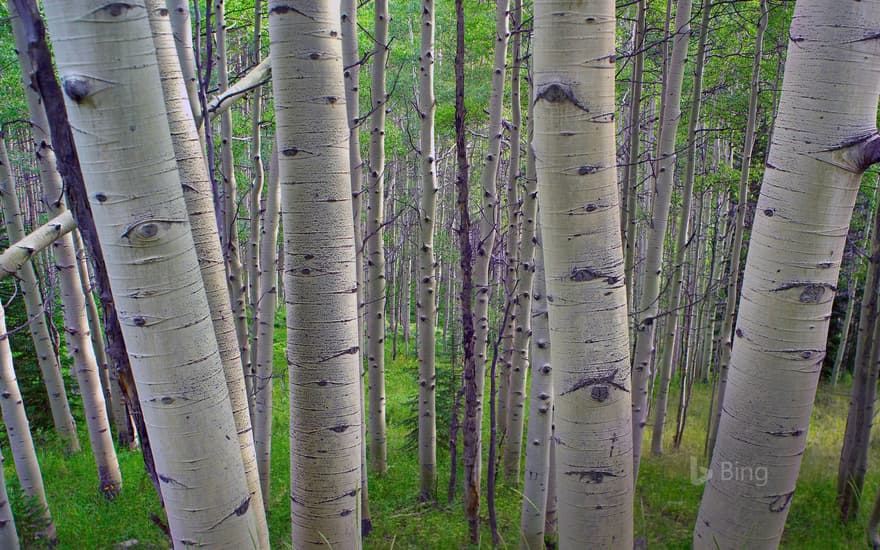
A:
x: 666, y: 500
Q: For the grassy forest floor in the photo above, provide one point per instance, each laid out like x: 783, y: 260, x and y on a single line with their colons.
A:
x: 666, y: 499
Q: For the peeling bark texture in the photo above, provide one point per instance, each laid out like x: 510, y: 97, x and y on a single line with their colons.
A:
x: 573, y: 113
x: 319, y: 268
x: 8, y: 533
x: 824, y: 137
x: 426, y: 313
x: 106, y: 58
x: 27, y: 468
x: 539, y: 434
x: 649, y: 300
x: 375, y: 284
x: 198, y: 196
x: 47, y: 359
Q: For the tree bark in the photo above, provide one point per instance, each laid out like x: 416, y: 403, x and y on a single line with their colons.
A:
x: 580, y: 221
x: 824, y: 138
x: 325, y: 408
x: 8, y: 533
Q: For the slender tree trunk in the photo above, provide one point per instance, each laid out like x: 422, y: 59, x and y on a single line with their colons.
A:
x: 851, y: 300
x: 649, y: 302
x: 823, y: 140
x: 153, y: 266
x: 733, y: 278
x: 351, y: 76
x: 321, y: 296
x: 47, y: 359
x: 537, y: 478
x: 580, y: 221
x: 24, y: 454
x: 854, y: 454
x: 265, y: 379
x: 197, y: 194
x: 681, y: 246
x: 255, y: 195
x: 374, y: 244
x: 426, y: 315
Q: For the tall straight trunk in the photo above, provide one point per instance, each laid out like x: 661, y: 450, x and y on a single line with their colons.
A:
x: 824, y: 138
x: 351, y: 77
x: 646, y: 315
x: 47, y: 359
x: 374, y: 245
x: 854, y: 454
x: 485, y: 244
x: 471, y: 384
x: 580, y: 222
x: 198, y: 198
x: 426, y: 314
x: 678, y: 274
x: 255, y: 195
x: 523, y: 313
x: 321, y: 295
x: 8, y: 533
x: 229, y: 237
x: 631, y: 171
x: 27, y: 468
x: 733, y: 278
x: 135, y: 194
x: 537, y: 475
x: 264, y: 378
x: 852, y: 299
x: 514, y: 175
x: 181, y: 25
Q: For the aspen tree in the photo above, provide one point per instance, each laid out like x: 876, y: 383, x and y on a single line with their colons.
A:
x: 580, y: 223
x: 824, y: 138
x: 426, y: 317
x: 351, y: 77
x: 47, y: 359
x: 649, y: 301
x: 319, y: 267
x: 27, y: 468
x: 375, y: 284
x: 198, y: 196
x: 106, y: 59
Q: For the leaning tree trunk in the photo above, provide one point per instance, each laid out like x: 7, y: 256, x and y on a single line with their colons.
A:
x: 106, y: 62
x: 580, y: 221
x: 198, y: 195
x: 649, y: 300
x: 47, y: 359
x: 321, y: 293
x: 375, y: 310
x: 426, y: 314
x: 24, y: 454
x: 824, y: 138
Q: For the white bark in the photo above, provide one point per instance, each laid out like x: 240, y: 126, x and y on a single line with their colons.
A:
x: 824, y: 138
x: 8, y: 533
x: 580, y: 222
x: 106, y: 60
x: 320, y: 280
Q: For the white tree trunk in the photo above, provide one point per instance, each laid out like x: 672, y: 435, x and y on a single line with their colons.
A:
x: 319, y: 256
x: 8, y: 533
x: 824, y: 138
x: 106, y: 59
x: 580, y: 221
